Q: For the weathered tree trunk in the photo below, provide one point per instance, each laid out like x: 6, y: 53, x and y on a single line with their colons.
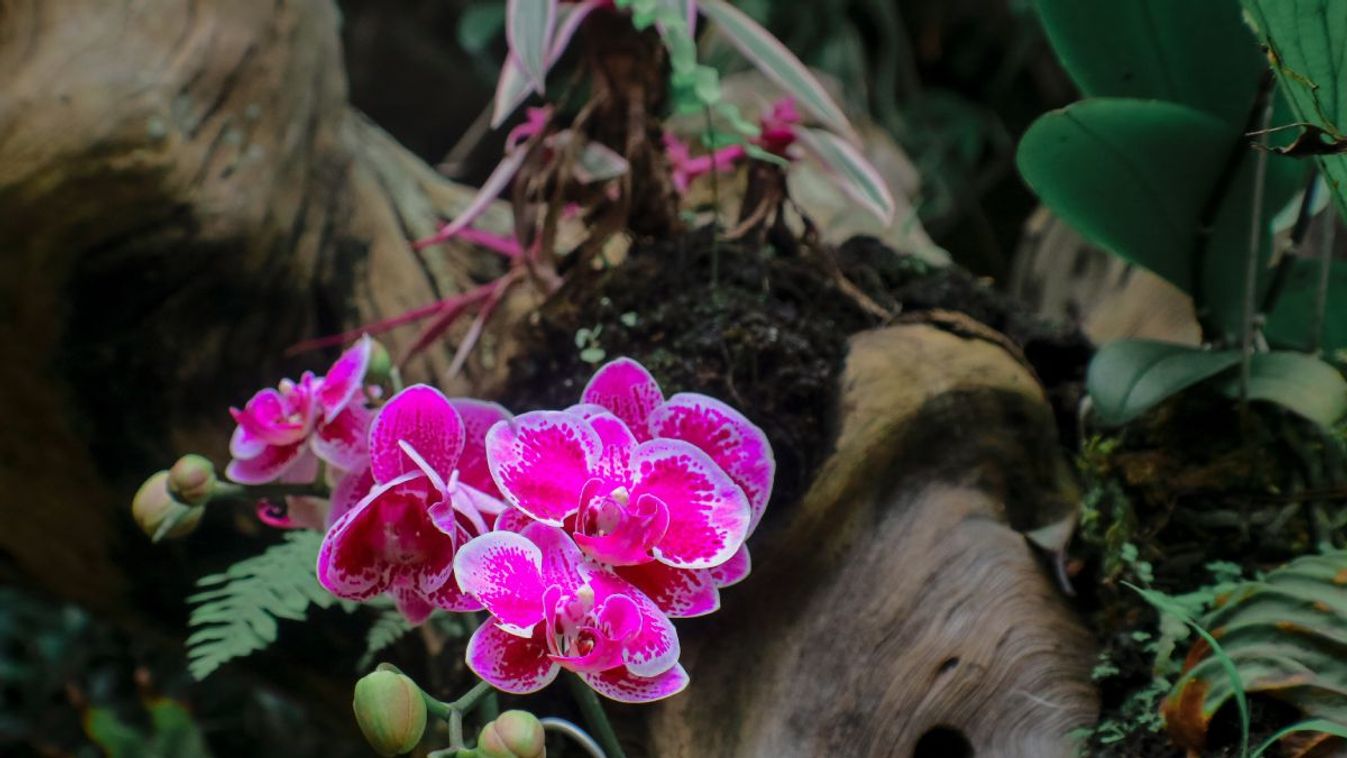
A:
x: 901, y: 613
x: 184, y: 192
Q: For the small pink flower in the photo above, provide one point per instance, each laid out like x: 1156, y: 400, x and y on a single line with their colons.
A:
x: 624, y: 388
x: 627, y: 503
x: 282, y: 433
x: 778, y: 127
x: 552, y: 609
x: 400, y: 538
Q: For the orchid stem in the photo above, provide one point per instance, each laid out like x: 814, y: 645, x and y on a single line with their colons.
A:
x: 595, y: 716
x: 232, y: 491
x: 1247, y: 325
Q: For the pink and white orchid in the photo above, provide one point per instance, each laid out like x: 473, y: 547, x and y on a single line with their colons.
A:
x: 401, y: 537
x: 624, y: 388
x: 552, y: 608
x: 282, y: 433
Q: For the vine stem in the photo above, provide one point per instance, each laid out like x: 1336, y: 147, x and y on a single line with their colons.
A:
x: 1247, y: 325
x: 595, y: 716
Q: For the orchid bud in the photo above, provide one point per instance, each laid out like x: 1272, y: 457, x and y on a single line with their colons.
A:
x: 514, y: 734
x: 158, y: 514
x: 380, y: 364
x: 390, y: 711
x: 192, y: 480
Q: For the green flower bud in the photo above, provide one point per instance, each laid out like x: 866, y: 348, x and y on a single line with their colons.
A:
x: 380, y: 364
x: 192, y: 480
x: 390, y: 711
x: 158, y: 514
x: 514, y: 734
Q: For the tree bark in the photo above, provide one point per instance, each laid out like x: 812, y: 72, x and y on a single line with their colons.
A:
x: 901, y: 612
x: 186, y: 193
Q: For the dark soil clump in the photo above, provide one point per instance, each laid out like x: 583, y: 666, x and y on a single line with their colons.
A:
x: 762, y: 329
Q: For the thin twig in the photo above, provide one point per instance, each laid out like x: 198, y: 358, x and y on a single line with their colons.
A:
x: 1247, y: 326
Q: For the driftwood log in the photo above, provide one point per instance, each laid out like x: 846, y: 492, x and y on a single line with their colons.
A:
x: 901, y: 613
x: 185, y: 191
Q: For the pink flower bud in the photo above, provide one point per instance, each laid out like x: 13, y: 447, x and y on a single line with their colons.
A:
x: 155, y: 510
x: 515, y: 734
x: 192, y: 480
x: 390, y: 711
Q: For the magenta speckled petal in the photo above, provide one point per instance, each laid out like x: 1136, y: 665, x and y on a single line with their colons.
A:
x: 733, y: 571
x: 343, y: 441
x: 419, y: 417
x: 680, y: 593
x: 628, y: 391
x: 708, y: 512
x: 345, y: 379
x: 621, y: 685
x: 509, y: 663
x: 503, y: 570
x: 541, y: 461
x: 732, y: 441
x: 268, y: 466
x: 478, y: 418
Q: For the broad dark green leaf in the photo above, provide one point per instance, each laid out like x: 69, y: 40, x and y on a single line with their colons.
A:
x: 1307, y: 44
x: 1133, y: 177
x: 1298, y: 382
x: 1194, y: 52
x: 1287, y: 637
x: 1290, y: 322
x: 1128, y: 378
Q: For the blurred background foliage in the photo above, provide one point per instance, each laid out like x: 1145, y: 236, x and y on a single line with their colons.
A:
x: 955, y: 82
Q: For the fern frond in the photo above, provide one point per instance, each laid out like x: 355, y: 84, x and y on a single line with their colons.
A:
x: 236, y: 611
x: 387, y: 629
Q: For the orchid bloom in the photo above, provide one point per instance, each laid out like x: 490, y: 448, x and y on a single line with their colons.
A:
x: 282, y: 433
x: 625, y: 389
x: 777, y: 135
x: 401, y: 537
x: 551, y: 608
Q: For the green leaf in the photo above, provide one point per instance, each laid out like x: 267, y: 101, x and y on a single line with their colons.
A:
x: 1285, y: 635
x: 1289, y: 322
x: 769, y: 56
x: 1133, y: 177
x: 1219, y: 656
x: 176, y: 734
x: 1298, y: 382
x: 236, y: 611
x: 1318, y: 726
x: 115, y: 737
x: 1193, y: 52
x: 1307, y: 44
x: 1128, y: 378
x: 387, y: 629
x: 850, y: 170
x: 528, y: 30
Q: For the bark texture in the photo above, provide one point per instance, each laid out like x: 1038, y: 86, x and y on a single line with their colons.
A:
x: 186, y: 191
x: 901, y: 612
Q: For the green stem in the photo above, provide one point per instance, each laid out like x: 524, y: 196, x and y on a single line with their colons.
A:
x: 1321, y: 287
x: 595, y: 716
x: 232, y: 491
x: 1247, y: 326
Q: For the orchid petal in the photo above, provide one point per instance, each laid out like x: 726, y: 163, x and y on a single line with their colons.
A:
x: 563, y: 565
x: 413, y: 605
x: 733, y: 571
x: 268, y: 466
x: 245, y: 445
x: 679, y: 593
x: 343, y: 441
x: 451, y: 597
x: 510, y: 663
x: 512, y: 520
x: 478, y: 417
x: 423, y: 418
x: 620, y: 685
x: 617, y: 439
x: 708, y: 513
x: 541, y: 461
x: 350, y: 489
x: 345, y: 378
x: 733, y: 442
x: 503, y: 570
x: 628, y: 391
x: 654, y: 648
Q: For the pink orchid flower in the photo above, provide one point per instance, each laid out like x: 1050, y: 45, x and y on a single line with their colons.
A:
x: 738, y: 447
x: 551, y: 608
x: 401, y: 537
x: 282, y: 433
x: 626, y: 503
